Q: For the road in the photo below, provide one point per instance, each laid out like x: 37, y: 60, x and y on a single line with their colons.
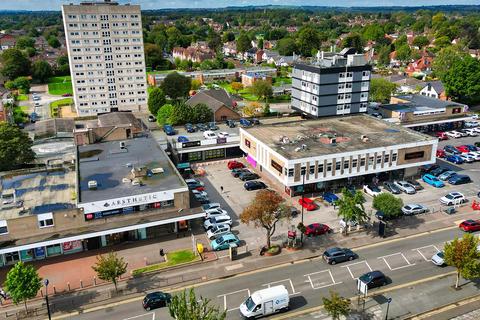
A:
x: 404, y: 261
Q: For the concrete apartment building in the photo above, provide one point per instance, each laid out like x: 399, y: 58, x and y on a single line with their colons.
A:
x: 335, y: 84
x: 335, y: 151
x: 105, y: 51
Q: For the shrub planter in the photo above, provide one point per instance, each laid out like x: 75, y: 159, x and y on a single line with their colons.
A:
x: 273, y: 251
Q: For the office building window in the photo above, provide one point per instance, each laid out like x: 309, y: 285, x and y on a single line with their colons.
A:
x: 338, y: 165
x: 329, y: 167
x: 394, y: 157
x: 215, y: 153
x: 354, y: 163
x: 320, y: 168
x: 3, y: 227
x: 45, y: 220
x: 346, y: 164
x: 362, y: 162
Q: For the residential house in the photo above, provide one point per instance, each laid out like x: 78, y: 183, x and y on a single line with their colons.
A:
x: 258, y: 56
x: 394, y: 62
x: 250, y: 54
x: 422, y: 66
x: 269, y: 44
x: 269, y: 55
x: 229, y: 49
x: 196, y: 53
x: 250, y: 78
x: 219, y: 101
x: 7, y: 41
x: 434, y: 89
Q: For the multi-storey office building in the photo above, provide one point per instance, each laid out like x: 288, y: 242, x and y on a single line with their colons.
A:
x: 105, y: 51
x: 335, y: 84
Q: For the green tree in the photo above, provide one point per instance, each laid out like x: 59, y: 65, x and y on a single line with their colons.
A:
x: 243, y: 43
x: 30, y: 52
x: 156, y: 99
x: 22, y: 283
x: 262, y: 89
x: 442, y: 42
x: 390, y: 205
x: 153, y: 56
x: 63, y: 67
x: 286, y: 46
x: 445, y: 59
x: 260, y: 44
x: 214, y: 41
x: 336, y: 305
x: 308, y: 40
x: 201, y: 113
x: 196, y: 84
x: 353, y: 40
x: 404, y: 53
x: 181, y: 114
x: 373, y: 31
x: 15, y: 147
x: 22, y: 84
x: 24, y: 42
x: 53, y: 42
x: 41, y: 71
x: 110, y: 267
x: 401, y: 41
x: 236, y: 86
x: 384, y: 55
x: 381, y: 90
x: 164, y: 114
x: 176, y: 85
x: 462, y: 80
x: 228, y: 36
x: 420, y: 41
x: 464, y: 256
x: 15, y: 64
x: 190, y: 307
x: 350, y: 207
x: 266, y: 109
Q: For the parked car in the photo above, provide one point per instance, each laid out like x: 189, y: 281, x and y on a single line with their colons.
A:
x: 307, y: 204
x: 470, y: 124
x: 255, y: 121
x: 215, y: 212
x: 373, y: 279
x: 412, y: 209
x: 254, y: 185
x: 329, y: 197
x: 223, y: 134
x: 477, y: 144
x: 446, y: 175
x: 453, y: 198
x: 371, y: 190
x: 453, y: 134
x: 237, y: 172
x: 471, y: 147
x: 441, y: 135
x: 209, y: 135
x: 336, y: 255
x: 247, y: 176
x: 438, y: 259
x: 182, y: 139
x: 380, y: 215
x: 212, y: 126
x: 470, y: 225
x: 459, y: 179
x: 441, y: 153
x: 224, y: 242
x: 169, y: 130
x: 234, y: 164
x: 217, y: 231
x: 210, y: 223
x: 391, y: 187
x: 462, y: 149
x: 201, y: 199
x: 454, y: 159
x: 415, y: 184
x: 231, y: 123
x: 194, y: 183
x: 212, y: 205
x: 405, y: 187
x: 245, y: 123
x: 190, y: 128
x: 469, y: 132
x: 432, y: 180
x: 467, y: 157
x: 151, y: 118
x: 475, y: 155
x: 438, y: 171
x: 200, y: 193
x: 450, y: 150
x: 201, y: 127
x: 316, y: 229
x: 155, y: 300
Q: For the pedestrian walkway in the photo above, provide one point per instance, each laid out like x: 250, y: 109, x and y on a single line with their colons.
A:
x: 474, y: 315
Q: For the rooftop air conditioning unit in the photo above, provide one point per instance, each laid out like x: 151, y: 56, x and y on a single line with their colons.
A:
x: 92, y: 185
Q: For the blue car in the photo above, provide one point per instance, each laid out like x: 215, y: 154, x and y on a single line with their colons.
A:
x: 245, y: 123
x: 225, y: 241
x: 471, y: 147
x: 168, y: 129
x: 329, y: 197
x: 459, y: 179
x: 454, y: 159
x: 432, y: 180
x: 451, y: 150
x: 182, y: 139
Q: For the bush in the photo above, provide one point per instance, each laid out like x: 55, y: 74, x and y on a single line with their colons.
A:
x: 390, y: 205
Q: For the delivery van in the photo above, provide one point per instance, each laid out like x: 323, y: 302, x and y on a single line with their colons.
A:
x: 265, y: 302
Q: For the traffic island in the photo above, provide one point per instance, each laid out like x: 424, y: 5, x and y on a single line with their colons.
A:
x: 172, y: 259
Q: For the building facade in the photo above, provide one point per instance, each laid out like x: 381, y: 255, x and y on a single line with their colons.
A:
x: 105, y: 52
x: 336, y: 84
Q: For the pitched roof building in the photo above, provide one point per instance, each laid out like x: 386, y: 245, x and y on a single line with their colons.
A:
x: 218, y: 101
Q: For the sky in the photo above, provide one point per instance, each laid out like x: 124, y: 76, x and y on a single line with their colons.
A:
x: 161, y: 4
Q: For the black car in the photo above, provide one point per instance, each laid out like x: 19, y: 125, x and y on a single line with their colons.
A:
x: 438, y: 171
x: 156, y: 300
x: 429, y: 167
x: 189, y: 128
x: 415, y: 184
x: 238, y: 171
x: 246, y: 176
x: 212, y: 126
x: 255, y: 121
x: 231, y: 123
x: 336, y: 255
x: 477, y: 144
x: 373, y: 279
x: 201, y: 127
x: 254, y: 185
x: 390, y: 186
x: 459, y: 179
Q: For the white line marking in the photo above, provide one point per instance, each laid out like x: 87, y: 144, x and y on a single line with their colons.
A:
x: 289, y: 280
x: 324, y: 286
x: 423, y: 256
x: 141, y: 315
x: 355, y: 263
x: 230, y: 293
x: 396, y: 254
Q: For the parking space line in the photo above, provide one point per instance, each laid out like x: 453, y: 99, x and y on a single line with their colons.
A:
x: 230, y: 293
x: 324, y: 286
x: 355, y: 263
x: 424, y: 247
x: 396, y: 254
x: 142, y: 315
x: 289, y: 280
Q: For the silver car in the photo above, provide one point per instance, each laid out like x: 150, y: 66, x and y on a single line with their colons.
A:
x: 405, y: 187
x: 412, y: 209
x: 217, y: 231
x: 438, y: 259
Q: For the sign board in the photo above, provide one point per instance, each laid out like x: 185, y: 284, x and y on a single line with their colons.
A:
x: 362, y: 287
x: 221, y: 140
x: 191, y: 144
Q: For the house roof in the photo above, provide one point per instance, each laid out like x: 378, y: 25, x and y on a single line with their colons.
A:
x: 424, y: 101
x: 214, y: 98
x: 436, y: 85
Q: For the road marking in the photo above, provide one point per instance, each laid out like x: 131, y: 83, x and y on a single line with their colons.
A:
x: 142, y: 315
x: 322, y: 286
x: 289, y: 280
x: 352, y: 264
x: 396, y: 254
x: 430, y: 246
x: 228, y: 294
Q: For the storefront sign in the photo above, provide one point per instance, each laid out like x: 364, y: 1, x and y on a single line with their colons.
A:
x: 40, y: 253
x: 191, y: 144
x: 221, y: 140
x: 72, y: 246
x: 26, y: 255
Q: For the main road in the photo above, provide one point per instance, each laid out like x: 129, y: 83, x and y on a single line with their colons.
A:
x: 404, y: 261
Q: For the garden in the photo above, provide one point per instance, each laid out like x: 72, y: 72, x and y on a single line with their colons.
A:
x: 60, y: 85
x: 173, y: 258
x: 55, y: 105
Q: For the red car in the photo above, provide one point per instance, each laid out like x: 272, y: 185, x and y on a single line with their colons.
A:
x: 201, y: 188
x: 470, y: 225
x: 463, y: 149
x: 308, y: 204
x: 234, y: 164
x: 441, y: 135
x: 441, y: 153
x: 316, y: 229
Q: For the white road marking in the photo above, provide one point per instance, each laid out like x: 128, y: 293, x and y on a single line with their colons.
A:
x: 142, y: 315
x: 228, y: 294
x: 324, y: 286
x: 396, y: 254
x: 284, y: 280
x: 355, y: 263
x: 425, y: 247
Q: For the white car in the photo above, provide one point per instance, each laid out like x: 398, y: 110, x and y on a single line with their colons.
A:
x: 475, y: 155
x: 223, y: 134
x: 453, y: 134
x: 470, y: 132
x: 453, y: 198
x: 467, y: 157
x: 476, y: 129
x: 209, y: 134
x: 199, y: 193
x: 215, y: 213
x: 217, y: 231
x: 372, y: 190
x: 438, y: 259
x: 405, y: 187
x: 471, y: 124
x: 413, y: 209
x: 210, y: 223
x: 212, y: 205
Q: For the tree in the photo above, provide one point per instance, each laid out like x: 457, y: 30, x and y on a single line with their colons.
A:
x: 63, y: 67
x: 260, y: 44
x: 462, y: 80
x: 266, y: 109
x: 15, y: 147
x: 214, y: 41
x: 22, y: 283
x: 390, y: 205
x: 404, y: 53
x: 183, y: 307
x: 353, y: 40
x: 196, y: 84
x: 442, y: 42
x: 384, y: 55
x: 22, y: 84
x: 156, y: 99
x: 164, y: 114
x: 286, y: 46
x: 243, y: 43
x: 262, y: 89
x: 420, y: 41
x: 381, y: 89
x: 251, y: 109
x: 350, y: 207
x: 110, y: 267
x: 236, y: 86
x: 336, y: 305
x: 201, y: 113
x: 53, y: 42
x: 308, y: 40
x: 373, y: 31
x: 181, y: 114
x: 445, y: 59
x: 153, y: 56
x: 463, y: 255
x: 41, y: 71
x: 176, y: 85
x: 228, y: 36
x: 265, y: 211
x: 15, y: 64
x: 24, y: 42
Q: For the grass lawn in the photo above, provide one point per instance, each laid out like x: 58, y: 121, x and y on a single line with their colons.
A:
x: 22, y: 97
x: 244, y: 93
x: 20, y: 114
x: 59, y: 103
x: 173, y: 258
x: 60, y: 85
x: 278, y: 81
x: 160, y: 71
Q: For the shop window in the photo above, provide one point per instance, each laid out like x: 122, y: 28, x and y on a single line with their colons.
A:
x: 3, y: 227
x: 12, y: 257
x: 414, y: 155
x: 394, y: 157
x: 362, y: 162
x: 45, y: 220
x: 329, y: 167
x: 354, y: 163
x: 320, y: 168
x: 214, y: 154
x: 194, y: 156
x: 54, y: 250
x: 338, y: 165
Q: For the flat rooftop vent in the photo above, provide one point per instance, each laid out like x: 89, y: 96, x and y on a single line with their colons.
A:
x: 92, y: 185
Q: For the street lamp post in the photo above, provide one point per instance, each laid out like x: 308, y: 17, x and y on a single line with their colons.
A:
x: 388, y: 306
x: 46, y: 299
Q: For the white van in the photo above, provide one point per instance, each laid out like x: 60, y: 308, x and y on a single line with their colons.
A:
x: 265, y: 302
